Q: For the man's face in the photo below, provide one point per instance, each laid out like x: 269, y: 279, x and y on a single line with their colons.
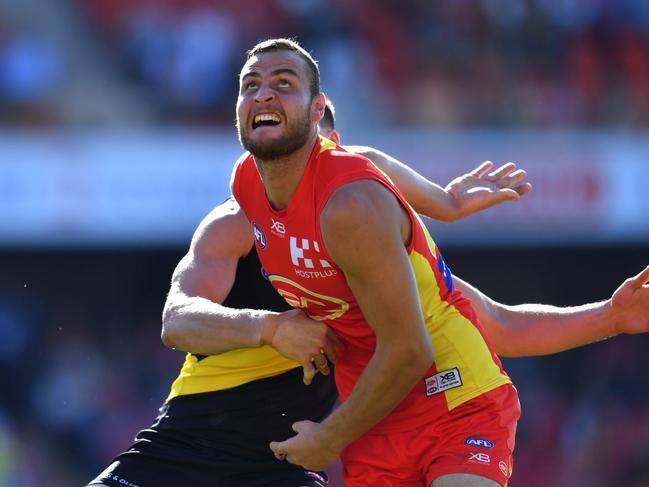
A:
x: 275, y: 113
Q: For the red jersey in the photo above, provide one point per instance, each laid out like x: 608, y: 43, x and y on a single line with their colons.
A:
x: 291, y: 250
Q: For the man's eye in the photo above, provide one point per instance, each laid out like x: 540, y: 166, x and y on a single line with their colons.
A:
x: 250, y: 85
x: 283, y: 83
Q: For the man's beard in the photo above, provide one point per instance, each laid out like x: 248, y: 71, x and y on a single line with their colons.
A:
x: 297, y: 134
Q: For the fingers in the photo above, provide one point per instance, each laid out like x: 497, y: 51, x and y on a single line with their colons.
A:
x: 643, y: 277
x: 514, y: 178
x: 321, y: 364
x: 511, y: 179
x: 482, y: 169
x: 507, y: 194
x: 331, y: 345
x: 278, y: 449
x: 523, y: 189
x: 309, y: 373
x: 502, y: 171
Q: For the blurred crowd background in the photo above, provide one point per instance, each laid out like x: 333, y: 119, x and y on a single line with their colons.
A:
x: 447, y: 64
x: 81, y: 364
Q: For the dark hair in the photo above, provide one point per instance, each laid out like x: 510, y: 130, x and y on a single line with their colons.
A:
x: 329, y: 116
x: 284, y: 44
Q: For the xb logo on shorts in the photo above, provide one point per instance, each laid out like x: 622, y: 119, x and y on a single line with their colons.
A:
x: 479, y: 458
x: 260, y: 237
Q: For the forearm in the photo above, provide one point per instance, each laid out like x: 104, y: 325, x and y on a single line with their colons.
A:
x: 424, y: 196
x: 384, y: 383
x: 200, y: 326
x: 538, y: 329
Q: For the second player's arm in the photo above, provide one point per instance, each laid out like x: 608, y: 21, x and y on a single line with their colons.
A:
x: 540, y: 329
x: 194, y: 320
x: 466, y: 194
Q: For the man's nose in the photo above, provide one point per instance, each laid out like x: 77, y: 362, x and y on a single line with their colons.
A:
x: 264, y: 94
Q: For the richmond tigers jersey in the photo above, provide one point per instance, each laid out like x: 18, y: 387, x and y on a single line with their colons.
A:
x: 291, y: 250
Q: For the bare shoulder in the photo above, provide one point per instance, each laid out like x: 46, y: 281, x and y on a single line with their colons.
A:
x: 355, y: 200
x: 362, y: 150
x: 361, y: 207
x: 224, y: 229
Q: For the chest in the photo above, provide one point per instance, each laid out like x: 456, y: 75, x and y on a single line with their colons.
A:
x: 295, y: 261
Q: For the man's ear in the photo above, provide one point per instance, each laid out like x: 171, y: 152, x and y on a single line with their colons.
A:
x: 318, y: 108
x: 335, y: 136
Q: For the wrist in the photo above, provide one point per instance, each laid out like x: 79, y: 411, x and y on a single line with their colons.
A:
x: 613, y: 327
x: 335, y: 439
x: 268, y: 329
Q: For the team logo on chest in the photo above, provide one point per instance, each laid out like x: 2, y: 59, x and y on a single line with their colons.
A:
x: 305, y: 254
x: 260, y: 237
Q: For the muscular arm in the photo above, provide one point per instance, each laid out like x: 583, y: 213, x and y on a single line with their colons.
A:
x: 364, y: 228
x: 538, y: 329
x: 467, y: 194
x: 193, y: 319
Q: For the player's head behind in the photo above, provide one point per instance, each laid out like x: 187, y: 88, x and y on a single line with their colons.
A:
x: 279, y: 103
x: 327, y: 125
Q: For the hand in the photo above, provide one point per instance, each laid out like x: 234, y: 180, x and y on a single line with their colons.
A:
x: 630, y: 305
x: 308, y: 342
x: 477, y: 190
x: 306, y: 448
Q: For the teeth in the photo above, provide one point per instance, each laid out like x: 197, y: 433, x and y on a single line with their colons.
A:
x: 266, y: 117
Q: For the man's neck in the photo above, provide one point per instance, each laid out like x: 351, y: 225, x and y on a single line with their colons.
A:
x: 282, y: 176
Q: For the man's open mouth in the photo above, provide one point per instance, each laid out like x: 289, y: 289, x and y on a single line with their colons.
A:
x: 265, y: 119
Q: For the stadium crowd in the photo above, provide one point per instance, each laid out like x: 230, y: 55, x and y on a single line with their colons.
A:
x: 535, y: 63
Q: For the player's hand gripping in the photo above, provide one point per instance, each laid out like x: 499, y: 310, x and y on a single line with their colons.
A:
x: 630, y: 305
x: 306, y: 448
x: 477, y: 190
x: 299, y: 338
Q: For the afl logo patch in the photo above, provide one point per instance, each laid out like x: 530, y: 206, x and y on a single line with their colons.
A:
x: 260, y: 237
x: 477, y: 441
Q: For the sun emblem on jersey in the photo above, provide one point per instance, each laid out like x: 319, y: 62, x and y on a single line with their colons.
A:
x: 260, y: 236
x: 317, y: 306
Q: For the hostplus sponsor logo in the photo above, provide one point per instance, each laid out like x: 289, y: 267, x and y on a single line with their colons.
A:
x: 260, y: 236
x: 479, y: 442
x: 307, y: 258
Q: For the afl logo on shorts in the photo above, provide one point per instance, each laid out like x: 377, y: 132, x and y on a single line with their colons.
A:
x: 477, y: 441
x: 260, y: 237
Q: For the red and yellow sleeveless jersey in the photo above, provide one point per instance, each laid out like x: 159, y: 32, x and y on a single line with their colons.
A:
x: 291, y: 250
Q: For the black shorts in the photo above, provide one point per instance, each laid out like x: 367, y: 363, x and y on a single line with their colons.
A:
x: 220, y: 439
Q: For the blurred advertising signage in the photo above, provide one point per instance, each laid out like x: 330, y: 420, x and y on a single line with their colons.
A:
x: 153, y: 189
